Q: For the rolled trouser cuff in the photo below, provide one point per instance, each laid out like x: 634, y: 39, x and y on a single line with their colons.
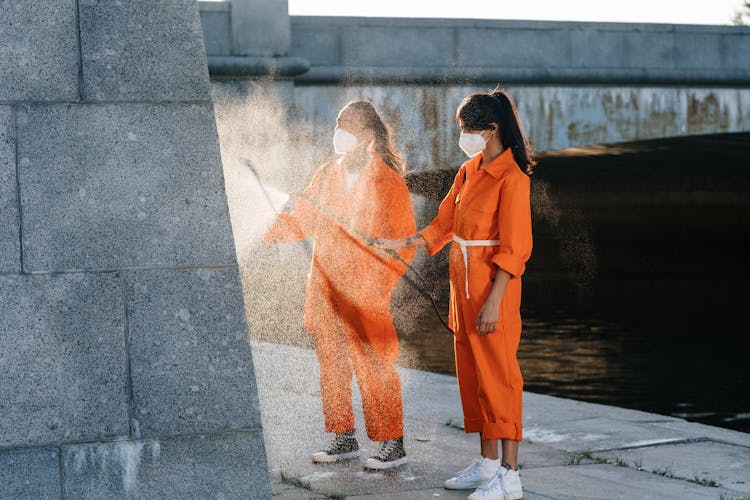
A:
x: 494, y: 430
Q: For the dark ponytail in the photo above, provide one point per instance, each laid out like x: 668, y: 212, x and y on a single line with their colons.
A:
x: 479, y: 111
x: 382, y: 134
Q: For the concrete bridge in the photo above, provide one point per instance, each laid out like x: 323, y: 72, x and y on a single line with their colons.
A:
x: 126, y: 369
x: 576, y: 83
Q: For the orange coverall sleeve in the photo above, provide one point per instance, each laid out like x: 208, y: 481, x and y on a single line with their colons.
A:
x: 440, y: 231
x: 514, y: 225
x: 399, y: 219
x: 301, y: 222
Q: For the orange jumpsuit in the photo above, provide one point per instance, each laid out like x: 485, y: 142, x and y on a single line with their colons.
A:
x: 347, y: 302
x: 490, y: 204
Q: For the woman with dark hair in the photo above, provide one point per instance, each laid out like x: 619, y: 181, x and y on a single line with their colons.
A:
x: 347, y: 304
x: 487, y: 215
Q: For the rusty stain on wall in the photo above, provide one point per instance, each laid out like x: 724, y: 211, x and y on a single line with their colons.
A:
x: 706, y: 113
x: 556, y: 117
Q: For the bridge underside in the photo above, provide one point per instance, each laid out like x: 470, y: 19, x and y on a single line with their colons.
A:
x: 555, y: 117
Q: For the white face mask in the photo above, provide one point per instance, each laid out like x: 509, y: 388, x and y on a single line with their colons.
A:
x: 343, y: 141
x: 471, y: 144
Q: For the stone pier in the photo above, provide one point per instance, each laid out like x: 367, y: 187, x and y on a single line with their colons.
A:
x: 125, y: 365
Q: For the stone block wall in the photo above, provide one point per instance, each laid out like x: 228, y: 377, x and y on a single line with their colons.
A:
x: 125, y: 364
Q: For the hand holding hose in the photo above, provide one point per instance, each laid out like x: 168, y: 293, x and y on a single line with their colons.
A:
x: 415, y: 240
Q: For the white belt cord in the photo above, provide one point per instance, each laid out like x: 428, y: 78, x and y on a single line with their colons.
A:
x: 471, y: 243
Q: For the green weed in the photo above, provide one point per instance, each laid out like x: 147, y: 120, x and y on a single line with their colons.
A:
x: 295, y: 481
x: 453, y: 424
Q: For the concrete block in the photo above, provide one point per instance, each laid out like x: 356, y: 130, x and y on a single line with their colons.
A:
x: 224, y: 466
x: 609, y: 44
x: 217, y: 27
x: 487, y: 47
x: 261, y: 27
x: 39, y: 51
x: 30, y: 473
x: 121, y: 185
x: 191, y: 365
x: 697, y: 51
x: 10, y: 245
x: 649, y: 50
x: 735, y: 50
x: 399, y: 47
x: 62, y: 356
x: 142, y: 51
x: 320, y: 47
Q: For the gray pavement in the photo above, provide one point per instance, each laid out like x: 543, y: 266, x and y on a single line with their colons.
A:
x: 571, y: 449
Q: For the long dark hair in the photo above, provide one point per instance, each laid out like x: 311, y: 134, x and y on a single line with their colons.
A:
x: 479, y: 111
x: 382, y: 141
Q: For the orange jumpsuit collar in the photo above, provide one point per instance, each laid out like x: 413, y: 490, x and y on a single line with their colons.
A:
x: 504, y: 161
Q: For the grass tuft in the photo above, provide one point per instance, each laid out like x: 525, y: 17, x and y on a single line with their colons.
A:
x: 704, y: 482
x: 295, y: 481
x: 662, y: 471
x: 453, y: 424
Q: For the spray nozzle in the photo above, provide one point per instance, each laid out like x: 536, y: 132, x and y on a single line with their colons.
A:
x: 291, y: 202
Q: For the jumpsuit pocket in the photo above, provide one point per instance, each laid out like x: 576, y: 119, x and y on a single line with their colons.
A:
x: 477, y: 224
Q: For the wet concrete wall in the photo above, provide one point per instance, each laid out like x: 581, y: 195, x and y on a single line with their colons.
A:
x: 555, y: 117
x: 125, y: 364
x: 575, y: 83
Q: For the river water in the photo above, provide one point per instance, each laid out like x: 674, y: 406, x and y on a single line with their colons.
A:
x: 636, y: 294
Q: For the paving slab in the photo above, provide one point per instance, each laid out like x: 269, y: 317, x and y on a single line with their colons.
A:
x: 435, y: 493
x: 600, y: 433
x: 552, y: 463
x: 430, y: 396
x: 702, y: 430
x: 418, y: 494
x: 540, y: 409
x: 725, y: 464
x: 611, y: 482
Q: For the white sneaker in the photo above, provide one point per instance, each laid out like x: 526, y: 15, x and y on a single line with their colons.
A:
x: 504, y: 485
x: 477, y: 473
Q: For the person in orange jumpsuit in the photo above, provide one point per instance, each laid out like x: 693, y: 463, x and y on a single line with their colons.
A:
x: 348, y: 296
x: 487, y: 216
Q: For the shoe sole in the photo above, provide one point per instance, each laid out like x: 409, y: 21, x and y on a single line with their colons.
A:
x: 465, y: 486
x: 517, y: 495
x: 375, y: 465
x: 329, y: 459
